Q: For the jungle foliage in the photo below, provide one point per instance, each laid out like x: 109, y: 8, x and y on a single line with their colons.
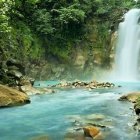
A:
x: 36, y: 28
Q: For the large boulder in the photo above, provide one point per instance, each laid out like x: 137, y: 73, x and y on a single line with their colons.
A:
x: 11, y: 97
x: 132, y: 97
x: 91, y: 131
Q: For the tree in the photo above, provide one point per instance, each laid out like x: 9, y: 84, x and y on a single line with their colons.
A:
x: 42, y: 22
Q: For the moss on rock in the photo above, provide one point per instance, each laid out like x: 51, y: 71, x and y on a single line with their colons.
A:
x: 12, y: 97
x: 137, y: 106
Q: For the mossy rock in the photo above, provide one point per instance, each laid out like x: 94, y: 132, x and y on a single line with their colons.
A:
x: 12, y: 97
x: 131, y: 97
x: 137, y: 106
x: 15, y: 63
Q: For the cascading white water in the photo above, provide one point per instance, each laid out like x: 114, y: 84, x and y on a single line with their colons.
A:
x: 128, y: 47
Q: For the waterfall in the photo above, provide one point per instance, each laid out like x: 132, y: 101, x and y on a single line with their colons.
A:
x: 128, y: 47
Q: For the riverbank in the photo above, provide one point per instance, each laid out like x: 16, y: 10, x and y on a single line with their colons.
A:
x: 62, y: 115
x: 134, y: 97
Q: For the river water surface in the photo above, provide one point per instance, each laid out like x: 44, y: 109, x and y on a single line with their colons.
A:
x: 47, y: 114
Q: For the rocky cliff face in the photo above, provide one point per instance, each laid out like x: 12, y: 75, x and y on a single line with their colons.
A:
x: 83, y: 58
x: 85, y: 63
x: 87, y: 60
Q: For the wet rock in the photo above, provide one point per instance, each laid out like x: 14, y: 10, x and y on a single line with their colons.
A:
x: 93, y: 126
x: 32, y: 80
x: 97, y: 125
x: 75, y: 134
x: 11, y: 97
x: 95, y: 117
x: 84, y: 133
x: 137, y: 106
x: 91, y: 131
x: 64, y: 84
x: 24, y: 81
x: 29, y: 90
x: 72, y: 118
x: 137, y: 109
x: 92, y: 117
x: 136, y: 126
x: 97, y: 120
x: 44, y: 137
x: 134, y: 97
x: 88, y: 85
x: 130, y: 97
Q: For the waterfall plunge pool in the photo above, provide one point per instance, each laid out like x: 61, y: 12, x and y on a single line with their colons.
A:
x: 48, y: 114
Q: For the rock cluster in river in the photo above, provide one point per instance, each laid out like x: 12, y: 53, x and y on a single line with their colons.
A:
x: 92, y: 126
x: 88, y: 85
x: 134, y: 97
